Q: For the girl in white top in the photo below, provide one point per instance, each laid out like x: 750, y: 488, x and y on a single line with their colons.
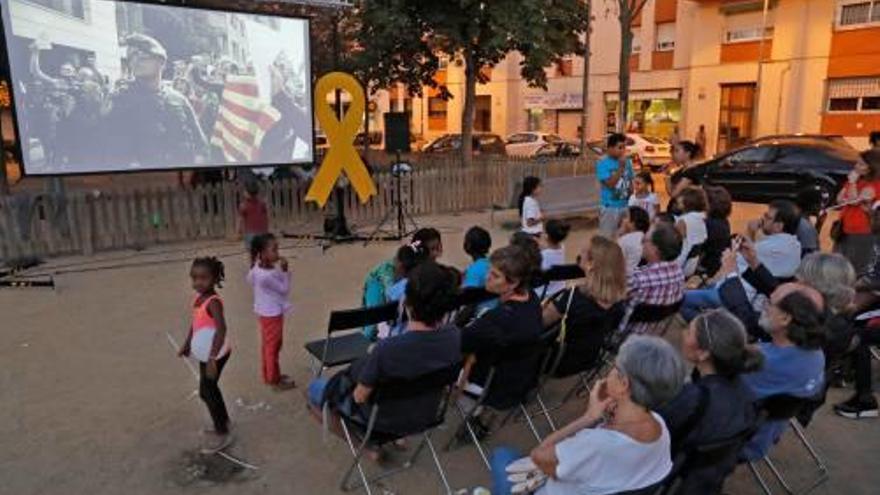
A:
x: 619, y: 444
x: 553, y: 253
x: 643, y: 194
x: 529, y: 208
x: 691, y: 225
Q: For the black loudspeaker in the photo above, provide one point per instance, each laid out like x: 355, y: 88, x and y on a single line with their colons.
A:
x: 397, y: 132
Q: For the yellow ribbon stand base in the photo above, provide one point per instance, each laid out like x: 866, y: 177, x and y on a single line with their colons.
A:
x: 341, y: 154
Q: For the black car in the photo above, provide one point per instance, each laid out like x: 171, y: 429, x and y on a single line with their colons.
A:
x: 795, y: 167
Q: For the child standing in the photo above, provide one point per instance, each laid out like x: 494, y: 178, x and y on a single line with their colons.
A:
x: 553, y: 252
x: 643, y: 194
x: 254, y: 214
x: 477, y: 243
x: 271, y: 285
x: 529, y: 208
x: 206, y: 342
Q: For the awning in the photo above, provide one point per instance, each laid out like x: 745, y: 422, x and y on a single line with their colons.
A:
x: 663, y: 94
x: 854, y: 88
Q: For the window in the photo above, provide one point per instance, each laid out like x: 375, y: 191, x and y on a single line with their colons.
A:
x: 637, y: 40
x: 859, y: 94
x: 74, y: 8
x: 858, y: 12
x: 741, y: 35
x: 522, y: 138
x: 436, y: 114
x: 666, y: 37
x: 751, y: 155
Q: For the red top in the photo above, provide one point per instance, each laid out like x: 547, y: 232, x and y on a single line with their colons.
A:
x: 854, y: 218
x: 254, y: 215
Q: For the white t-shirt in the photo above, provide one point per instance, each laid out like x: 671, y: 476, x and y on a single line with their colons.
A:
x: 531, y: 209
x: 631, y: 245
x: 597, y: 461
x: 695, y: 222
x: 780, y: 254
x: 649, y: 203
x: 552, y: 257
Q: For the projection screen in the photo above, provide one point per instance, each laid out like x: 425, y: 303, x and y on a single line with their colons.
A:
x: 111, y: 86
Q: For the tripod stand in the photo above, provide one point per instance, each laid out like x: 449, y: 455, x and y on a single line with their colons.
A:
x: 399, y: 211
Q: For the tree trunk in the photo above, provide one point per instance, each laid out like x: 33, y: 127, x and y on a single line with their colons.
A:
x: 626, y: 38
x: 585, y: 90
x: 467, y: 116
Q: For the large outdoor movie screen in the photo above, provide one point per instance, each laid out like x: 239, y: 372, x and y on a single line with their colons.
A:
x: 107, y: 86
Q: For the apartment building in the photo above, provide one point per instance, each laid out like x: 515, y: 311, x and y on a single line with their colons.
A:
x: 806, y: 66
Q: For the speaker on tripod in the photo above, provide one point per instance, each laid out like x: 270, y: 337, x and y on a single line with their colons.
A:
x: 397, y: 142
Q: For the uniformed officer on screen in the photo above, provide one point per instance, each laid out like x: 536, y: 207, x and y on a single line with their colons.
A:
x: 149, y: 124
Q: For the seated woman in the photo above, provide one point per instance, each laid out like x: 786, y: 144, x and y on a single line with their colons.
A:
x: 692, y: 226
x: 794, y: 363
x: 514, y: 323
x: 619, y: 444
x: 426, y: 346
x: 718, y: 405
x: 717, y: 228
x: 594, y: 309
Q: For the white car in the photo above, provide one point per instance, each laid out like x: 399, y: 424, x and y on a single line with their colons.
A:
x: 528, y: 143
x: 651, y: 152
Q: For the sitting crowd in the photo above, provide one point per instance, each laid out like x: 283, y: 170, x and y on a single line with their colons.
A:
x: 767, y: 317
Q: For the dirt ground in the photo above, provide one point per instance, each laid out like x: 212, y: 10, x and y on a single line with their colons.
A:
x: 94, y: 401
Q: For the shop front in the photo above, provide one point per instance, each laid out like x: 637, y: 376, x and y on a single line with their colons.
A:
x: 653, y: 113
x: 557, y: 113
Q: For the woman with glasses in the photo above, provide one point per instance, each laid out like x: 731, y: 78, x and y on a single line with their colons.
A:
x: 717, y: 405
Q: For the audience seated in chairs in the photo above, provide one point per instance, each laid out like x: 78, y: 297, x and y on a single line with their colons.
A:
x: 794, y: 363
x: 692, y: 226
x: 515, y: 322
x: 660, y: 281
x: 717, y: 406
x: 592, y: 310
x: 553, y: 253
x: 619, y: 443
x: 717, y: 230
x: 778, y: 251
x: 425, y: 347
x: 633, y: 227
x: 380, y: 279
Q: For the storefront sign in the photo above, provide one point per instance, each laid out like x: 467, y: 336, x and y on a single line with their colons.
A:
x: 553, y: 101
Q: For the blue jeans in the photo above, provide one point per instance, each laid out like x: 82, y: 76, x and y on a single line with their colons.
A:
x: 500, y: 459
x: 316, y: 391
x: 698, y: 300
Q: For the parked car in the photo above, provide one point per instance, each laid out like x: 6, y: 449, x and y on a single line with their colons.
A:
x: 790, y: 167
x: 652, y: 151
x: 566, y: 149
x: 831, y: 138
x: 528, y: 143
x: 483, y: 143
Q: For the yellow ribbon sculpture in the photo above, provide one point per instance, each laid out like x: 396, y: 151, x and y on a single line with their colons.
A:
x: 341, y: 154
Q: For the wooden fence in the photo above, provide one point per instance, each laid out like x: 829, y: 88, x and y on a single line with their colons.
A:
x: 86, y: 222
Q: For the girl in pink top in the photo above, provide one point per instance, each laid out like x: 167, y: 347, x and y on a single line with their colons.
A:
x: 271, y: 301
x: 206, y: 342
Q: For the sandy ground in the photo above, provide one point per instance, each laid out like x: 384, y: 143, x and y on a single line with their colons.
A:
x: 94, y: 401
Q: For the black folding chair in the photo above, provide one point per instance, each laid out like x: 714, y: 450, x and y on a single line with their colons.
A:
x: 787, y: 408
x: 707, y: 455
x: 337, y: 350
x: 398, y: 395
x: 558, y: 273
x: 534, y: 352
x: 467, y: 303
x: 648, y: 313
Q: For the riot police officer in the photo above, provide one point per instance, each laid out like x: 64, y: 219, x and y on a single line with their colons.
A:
x: 149, y: 124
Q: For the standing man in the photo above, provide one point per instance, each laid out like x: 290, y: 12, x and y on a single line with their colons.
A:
x: 150, y: 123
x: 615, y: 174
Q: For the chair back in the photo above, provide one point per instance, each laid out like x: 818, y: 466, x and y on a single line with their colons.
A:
x: 473, y: 295
x: 349, y: 319
x: 530, y: 354
x: 782, y: 407
x: 421, y: 400
x: 652, y: 313
x: 560, y: 273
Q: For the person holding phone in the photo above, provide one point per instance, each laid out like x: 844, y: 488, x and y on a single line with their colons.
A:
x: 615, y: 174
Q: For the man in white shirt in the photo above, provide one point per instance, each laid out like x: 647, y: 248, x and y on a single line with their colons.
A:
x: 778, y: 249
x: 633, y: 227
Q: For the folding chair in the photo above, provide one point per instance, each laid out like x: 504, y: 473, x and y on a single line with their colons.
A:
x: 466, y: 304
x: 337, y: 350
x: 786, y: 408
x: 649, y: 313
x: 398, y: 394
x: 701, y: 457
x: 558, y: 273
x: 534, y: 352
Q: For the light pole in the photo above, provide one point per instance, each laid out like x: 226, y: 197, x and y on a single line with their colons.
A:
x: 757, y: 98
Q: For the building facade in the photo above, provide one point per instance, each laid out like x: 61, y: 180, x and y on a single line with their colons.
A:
x: 809, y: 66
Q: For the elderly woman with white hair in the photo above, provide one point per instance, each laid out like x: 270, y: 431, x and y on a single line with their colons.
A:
x: 619, y: 443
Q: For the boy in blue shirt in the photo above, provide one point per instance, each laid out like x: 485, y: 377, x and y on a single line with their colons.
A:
x: 615, y: 174
x: 477, y: 243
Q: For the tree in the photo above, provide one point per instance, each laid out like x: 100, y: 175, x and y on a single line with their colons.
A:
x: 403, y: 40
x: 627, y: 11
x: 585, y: 89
